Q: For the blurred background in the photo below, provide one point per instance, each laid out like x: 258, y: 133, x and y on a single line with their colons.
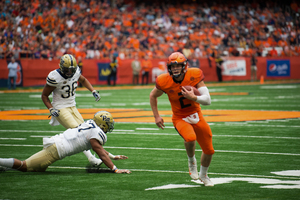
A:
x: 38, y: 33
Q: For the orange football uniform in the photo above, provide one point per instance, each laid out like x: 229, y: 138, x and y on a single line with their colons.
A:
x: 182, y: 108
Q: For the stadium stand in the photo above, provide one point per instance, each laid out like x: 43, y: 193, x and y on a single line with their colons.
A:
x: 46, y: 29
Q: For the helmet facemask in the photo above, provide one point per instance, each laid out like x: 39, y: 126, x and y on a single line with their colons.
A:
x: 182, y: 71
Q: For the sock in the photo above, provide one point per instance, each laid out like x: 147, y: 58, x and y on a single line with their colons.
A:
x: 203, y: 171
x: 88, y: 153
x: 191, y: 159
x: 7, y: 162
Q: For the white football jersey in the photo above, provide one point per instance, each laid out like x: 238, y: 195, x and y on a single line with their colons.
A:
x: 76, y: 140
x: 64, y: 93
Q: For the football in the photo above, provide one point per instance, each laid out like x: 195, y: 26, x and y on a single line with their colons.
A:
x: 189, y: 88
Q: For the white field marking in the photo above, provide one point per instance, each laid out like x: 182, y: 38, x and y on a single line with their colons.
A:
x: 277, y: 120
x: 118, y: 104
x: 186, y: 172
x: 41, y: 136
x: 258, y: 122
x: 287, y: 97
x: 77, y: 95
x: 19, y: 145
x: 127, y: 132
x: 279, y: 87
x: 165, y: 149
x: 266, y: 182
x: 31, y: 131
x: 148, y: 129
x: 14, y: 108
x: 266, y: 105
x: 172, y: 186
x: 248, y: 136
x: 141, y: 103
x: 13, y: 138
x: 85, y: 106
x: 175, y: 134
x: 288, y: 173
x: 241, y: 136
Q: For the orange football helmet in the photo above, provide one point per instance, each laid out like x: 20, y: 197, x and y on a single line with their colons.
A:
x: 177, y: 58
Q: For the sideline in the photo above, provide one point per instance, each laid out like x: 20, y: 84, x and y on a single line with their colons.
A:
x: 123, y: 87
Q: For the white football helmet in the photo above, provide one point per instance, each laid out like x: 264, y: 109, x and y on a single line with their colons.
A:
x: 68, y: 65
x: 104, y: 120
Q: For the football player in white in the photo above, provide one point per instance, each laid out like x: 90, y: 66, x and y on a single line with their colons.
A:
x: 90, y: 134
x: 62, y: 83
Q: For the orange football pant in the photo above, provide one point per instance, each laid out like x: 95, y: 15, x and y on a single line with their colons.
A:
x: 191, y: 132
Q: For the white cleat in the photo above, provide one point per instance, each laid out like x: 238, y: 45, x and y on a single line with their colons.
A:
x: 95, y: 162
x: 193, y: 170
x: 206, y: 181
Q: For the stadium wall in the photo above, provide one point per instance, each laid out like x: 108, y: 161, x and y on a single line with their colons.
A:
x: 34, y: 72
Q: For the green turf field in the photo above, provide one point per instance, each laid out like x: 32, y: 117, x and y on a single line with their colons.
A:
x: 255, y: 159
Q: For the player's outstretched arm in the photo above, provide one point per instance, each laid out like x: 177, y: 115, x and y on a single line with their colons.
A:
x: 117, y: 157
x: 98, y: 148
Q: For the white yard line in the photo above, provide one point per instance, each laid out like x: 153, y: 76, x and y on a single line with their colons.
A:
x: 185, y: 172
x: 167, y: 149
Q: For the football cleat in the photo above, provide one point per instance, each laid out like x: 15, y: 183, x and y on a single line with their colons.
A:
x: 193, y: 170
x: 177, y: 58
x: 95, y: 162
x: 68, y: 65
x: 206, y: 180
x: 104, y: 120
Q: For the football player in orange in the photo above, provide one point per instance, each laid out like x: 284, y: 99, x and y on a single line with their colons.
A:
x: 187, y: 117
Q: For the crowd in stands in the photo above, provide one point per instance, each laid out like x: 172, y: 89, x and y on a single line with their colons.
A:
x: 93, y: 29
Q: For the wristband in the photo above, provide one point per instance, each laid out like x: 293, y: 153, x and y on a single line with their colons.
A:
x: 111, y: 156
x: 115, y: 169
x: 94, y: 91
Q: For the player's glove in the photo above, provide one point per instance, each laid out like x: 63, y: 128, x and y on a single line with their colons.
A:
x: 96, y: 95
x: 95, y: 162
x: 54, y: 112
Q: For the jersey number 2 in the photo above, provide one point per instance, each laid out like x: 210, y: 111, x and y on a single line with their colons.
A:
x: 181, y: 101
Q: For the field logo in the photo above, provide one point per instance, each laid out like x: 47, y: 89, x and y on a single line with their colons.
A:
x: 269, y: 183
x: 278, y: 68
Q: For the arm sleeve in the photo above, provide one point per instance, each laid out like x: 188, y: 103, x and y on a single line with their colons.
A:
x: 204, y: 98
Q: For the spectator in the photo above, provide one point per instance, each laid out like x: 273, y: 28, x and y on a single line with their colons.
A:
x: 253, y: 66
x: 146, y: 67
x: 136, y: 68
x: 273, y: 52
x: 13, y: 68
x: 219, y: 25
x: 193, y: 61
x: 219, y: 61
x: 113, y: 65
